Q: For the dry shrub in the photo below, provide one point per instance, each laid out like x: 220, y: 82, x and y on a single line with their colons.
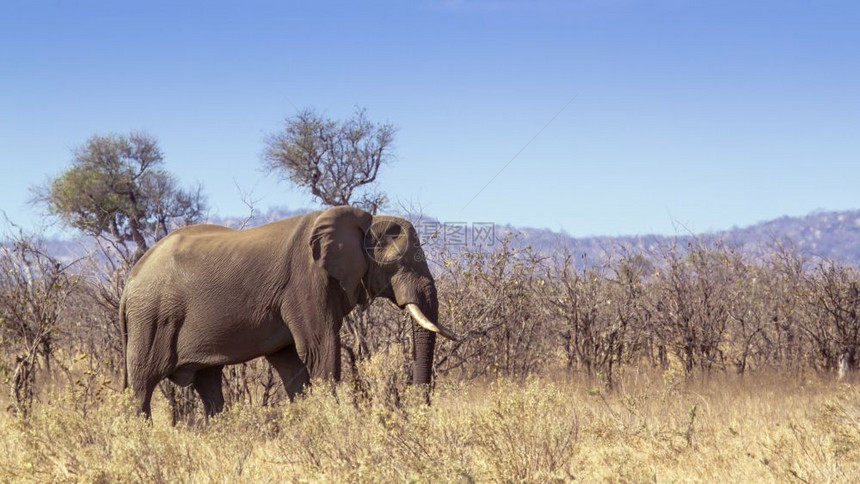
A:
x: 59, y: 444
x: 493, y: 297
x: 524, y: 313
x: 825, y: 447
x: 526, y: 432
x: 772, y: 429
x: 686, y: 365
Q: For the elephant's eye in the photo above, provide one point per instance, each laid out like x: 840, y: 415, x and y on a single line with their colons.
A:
x: 392, y: 231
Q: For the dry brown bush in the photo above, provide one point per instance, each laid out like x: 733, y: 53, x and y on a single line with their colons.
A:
x: 763, y: 428
x: 700, y: 309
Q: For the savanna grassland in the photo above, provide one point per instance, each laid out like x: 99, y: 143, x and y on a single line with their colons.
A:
x: 696, y: 365
x: 652, y: 427
x: 686, y: 362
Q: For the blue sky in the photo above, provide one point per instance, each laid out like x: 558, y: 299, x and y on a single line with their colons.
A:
x: 695, y: 114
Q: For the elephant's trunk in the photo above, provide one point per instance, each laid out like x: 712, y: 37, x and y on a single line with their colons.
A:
x: 415, y: 292
x: 426, y: 316
x: 424, y: 340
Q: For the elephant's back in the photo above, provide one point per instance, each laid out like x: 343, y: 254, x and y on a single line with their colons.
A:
x: 204, y: 266
x: 211, y: 260
x: 174, y: 241
x: 183, y: 266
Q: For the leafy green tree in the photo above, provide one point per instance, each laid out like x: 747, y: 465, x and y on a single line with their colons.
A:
x: 116, y: 189
x: 336, y: 161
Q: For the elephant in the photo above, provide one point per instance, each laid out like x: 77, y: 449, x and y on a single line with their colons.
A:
x: 206, y: 296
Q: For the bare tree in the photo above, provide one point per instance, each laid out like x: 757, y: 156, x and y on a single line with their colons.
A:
x: 336, y: 161
x: 34, y: 287
x: 494, y: 296
x: 835, y: 301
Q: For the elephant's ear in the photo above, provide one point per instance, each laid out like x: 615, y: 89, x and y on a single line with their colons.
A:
x: 336, y: 243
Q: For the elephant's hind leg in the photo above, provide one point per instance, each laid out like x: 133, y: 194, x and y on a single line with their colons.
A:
x: 142, y: 380
x: 207, y: 382
x: 143, y: 385
x: 292, y: 371
x: 147, y: 361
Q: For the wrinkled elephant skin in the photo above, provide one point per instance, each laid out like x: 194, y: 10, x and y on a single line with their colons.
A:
x: 207, y: 296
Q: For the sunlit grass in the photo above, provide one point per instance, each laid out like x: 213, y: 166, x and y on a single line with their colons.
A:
x: 650, y: 428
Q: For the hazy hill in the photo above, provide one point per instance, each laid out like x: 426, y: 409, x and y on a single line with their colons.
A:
x: 829, y: 235
x: 832, y: 235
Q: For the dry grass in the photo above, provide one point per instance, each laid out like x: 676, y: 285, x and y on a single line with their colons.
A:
x: 650, y: 428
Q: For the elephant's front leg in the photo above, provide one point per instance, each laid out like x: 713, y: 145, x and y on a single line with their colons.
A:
x: 291, y: 369
x: 321, y: 356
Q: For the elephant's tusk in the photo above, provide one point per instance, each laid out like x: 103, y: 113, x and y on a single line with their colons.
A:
x: 425, y: 323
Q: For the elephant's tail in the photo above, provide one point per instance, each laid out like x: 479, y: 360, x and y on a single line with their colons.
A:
x: 123, y: 325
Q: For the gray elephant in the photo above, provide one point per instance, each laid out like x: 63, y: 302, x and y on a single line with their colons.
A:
x: 207, y: 296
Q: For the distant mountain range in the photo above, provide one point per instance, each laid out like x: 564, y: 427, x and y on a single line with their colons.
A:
x: 819, y: 235
x: 830, y: 235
